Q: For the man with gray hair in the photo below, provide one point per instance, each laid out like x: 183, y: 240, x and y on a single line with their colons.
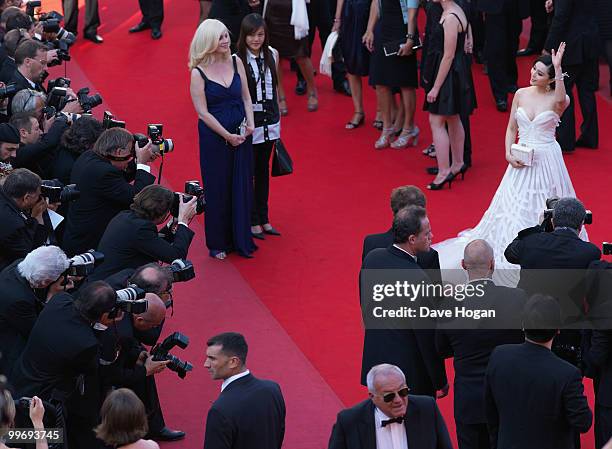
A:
x: 26, y: 286
x: 390, y: 418
x: 471, y: 348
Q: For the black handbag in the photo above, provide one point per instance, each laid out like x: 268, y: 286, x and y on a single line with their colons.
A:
x: 281, y: 161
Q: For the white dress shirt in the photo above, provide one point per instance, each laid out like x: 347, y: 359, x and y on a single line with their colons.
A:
x: 229, y: 380
x: 273, y: 128
x: 392, y: 436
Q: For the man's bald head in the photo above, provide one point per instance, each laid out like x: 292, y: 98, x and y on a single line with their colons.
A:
x: 152, y: 278
x: 478, y: 259
x: 155, y: 314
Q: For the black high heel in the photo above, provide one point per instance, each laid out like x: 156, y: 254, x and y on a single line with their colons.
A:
x: 462, y: 170
x: 449, y: 178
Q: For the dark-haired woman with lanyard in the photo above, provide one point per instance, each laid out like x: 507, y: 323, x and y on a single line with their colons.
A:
x: 261, y: 63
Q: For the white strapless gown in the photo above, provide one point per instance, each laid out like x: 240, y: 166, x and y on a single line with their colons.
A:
x: 518, y: 202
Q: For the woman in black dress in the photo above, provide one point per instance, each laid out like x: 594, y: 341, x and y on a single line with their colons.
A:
x: 447, y: 79
x: 351, y: 22
x: 398, y: 70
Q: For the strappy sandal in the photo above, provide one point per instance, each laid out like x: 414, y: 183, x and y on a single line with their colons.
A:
x: 282, y: 106
x: 312, y: 107
x: 353, y: 125
x: 378, y: 124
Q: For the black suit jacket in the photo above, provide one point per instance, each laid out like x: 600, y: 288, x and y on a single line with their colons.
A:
x: 231, y: 13
x: 249, y: 414
x: 7, y: 69
x: 131, y: 242
x: 574, y: 23
x: 105, y: 191
x: 414, y: 351
x: 534, y: 399
x: 19, y: 233
x: 19, y: 308
x: 502, y: 6
x: 425, y: 427
x: 427, y: 260
x: 472, y: 348
x: 22, y: 83
x: 62, y: 345
x: 597, y: 357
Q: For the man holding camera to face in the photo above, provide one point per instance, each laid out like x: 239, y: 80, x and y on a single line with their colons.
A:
x: 21, y: 216
x: 132, y: 239
x: 101, y: 176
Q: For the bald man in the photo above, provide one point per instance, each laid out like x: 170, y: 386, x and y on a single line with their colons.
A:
x: 472, y: 348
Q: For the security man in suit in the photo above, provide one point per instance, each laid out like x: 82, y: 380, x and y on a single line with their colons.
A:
x: 250, y: 412
x: 132, y: 239
x: 101, y: 176
x: 598, y: 361
x: 471, y: 348
x: 533, y: 398
x: 391, y: 418
x: 414, y: 351
x: 502, y: 29
x: 152, y: 17
x: 574, y: 23
x: 402, y: 197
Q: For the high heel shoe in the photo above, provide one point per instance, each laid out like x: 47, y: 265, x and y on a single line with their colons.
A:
x: 282, y: 106
x: 462, y: 170
x: 353, y: 125
x: 404, y: 139
x: 378, y: 124
x: 384, y: 140
x: 449, y: 178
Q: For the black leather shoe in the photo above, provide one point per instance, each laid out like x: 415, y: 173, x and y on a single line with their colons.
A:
x: 258, y: 235
x: 271, y: 231
x: 501, y: 105
x: 95, y: 38
x: 300, y: 87
x: 432, y: 170
x: 526, y: 52
x: 156, y: 33
x: 140, y: 27
x: 166, y: 434
x: 343, y: 88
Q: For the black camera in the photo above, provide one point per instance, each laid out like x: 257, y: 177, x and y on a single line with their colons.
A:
x: 56, y: 192
x: 130, y: 300
x: 548, y: 214
x: 62, y: 52
x: 8, y: 90
x: 58, y: 82
x: 155, y: 133
x: 200, y: 202
x: 51, y: 25
x: 140, y: 139
x: 194, y: 188
x: 31, y: 5
x: 88, y: 102
x: 606, y: 248
x: 182, y: 270
x: 161, y: 353
x: 108, y: 121
x: 83, y: 264
x: 57, y: 98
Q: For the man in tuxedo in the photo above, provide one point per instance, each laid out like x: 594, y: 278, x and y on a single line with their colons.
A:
x: 402, y: 197
x: 152, y: 17
x: 598, y: 361
x: 391, y: 418
x: 26, y: 285
x: 101, y: 176
x: 131, y: 238
x: 250, y: 412
x: 574, y: 23
x: 231, y: 13
x: 471, y: 348
x: 533, y: 398
x: 502, y: 29
x: 539, y: 28
x: 92, y: 19
x: 414, y: 351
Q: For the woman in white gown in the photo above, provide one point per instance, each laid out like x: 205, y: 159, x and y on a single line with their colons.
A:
x: 521, y: 196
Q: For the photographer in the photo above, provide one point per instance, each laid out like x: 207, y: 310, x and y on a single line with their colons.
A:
x: 11, y: 40
x: 26, y: 286
x: 37, y: 151
x: 9, y: 142
x: 132, y: 239
x: 61, y: 358
x: 22, y: 225
x: 100, y: 175
x: 31, y: 61
x: 7, y: 416
x: 77, y: 139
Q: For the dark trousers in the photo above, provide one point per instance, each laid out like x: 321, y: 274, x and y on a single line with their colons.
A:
x: 472, y: 436
x: 467, y: 146
x: 320, y: 17
x: 477, y: 23
x: 261, y: 182
x: 539, y: 25
x: 586, y: 79
x: 502, y: 40
x: 71, y: 16
x: 603, y: 425
x: 152, y: 12
x: 147, y: 392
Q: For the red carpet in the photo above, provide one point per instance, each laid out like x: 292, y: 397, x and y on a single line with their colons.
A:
x: 297, y: 300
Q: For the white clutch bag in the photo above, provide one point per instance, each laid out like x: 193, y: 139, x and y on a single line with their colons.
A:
x: 522, y: 153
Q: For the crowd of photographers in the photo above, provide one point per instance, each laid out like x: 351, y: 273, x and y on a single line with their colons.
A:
x: 90, y: 245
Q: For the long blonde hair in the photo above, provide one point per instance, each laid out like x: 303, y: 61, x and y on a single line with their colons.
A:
x: 205, y: 43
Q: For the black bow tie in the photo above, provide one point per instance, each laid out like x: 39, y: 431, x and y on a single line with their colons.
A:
x: 399, y: 420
